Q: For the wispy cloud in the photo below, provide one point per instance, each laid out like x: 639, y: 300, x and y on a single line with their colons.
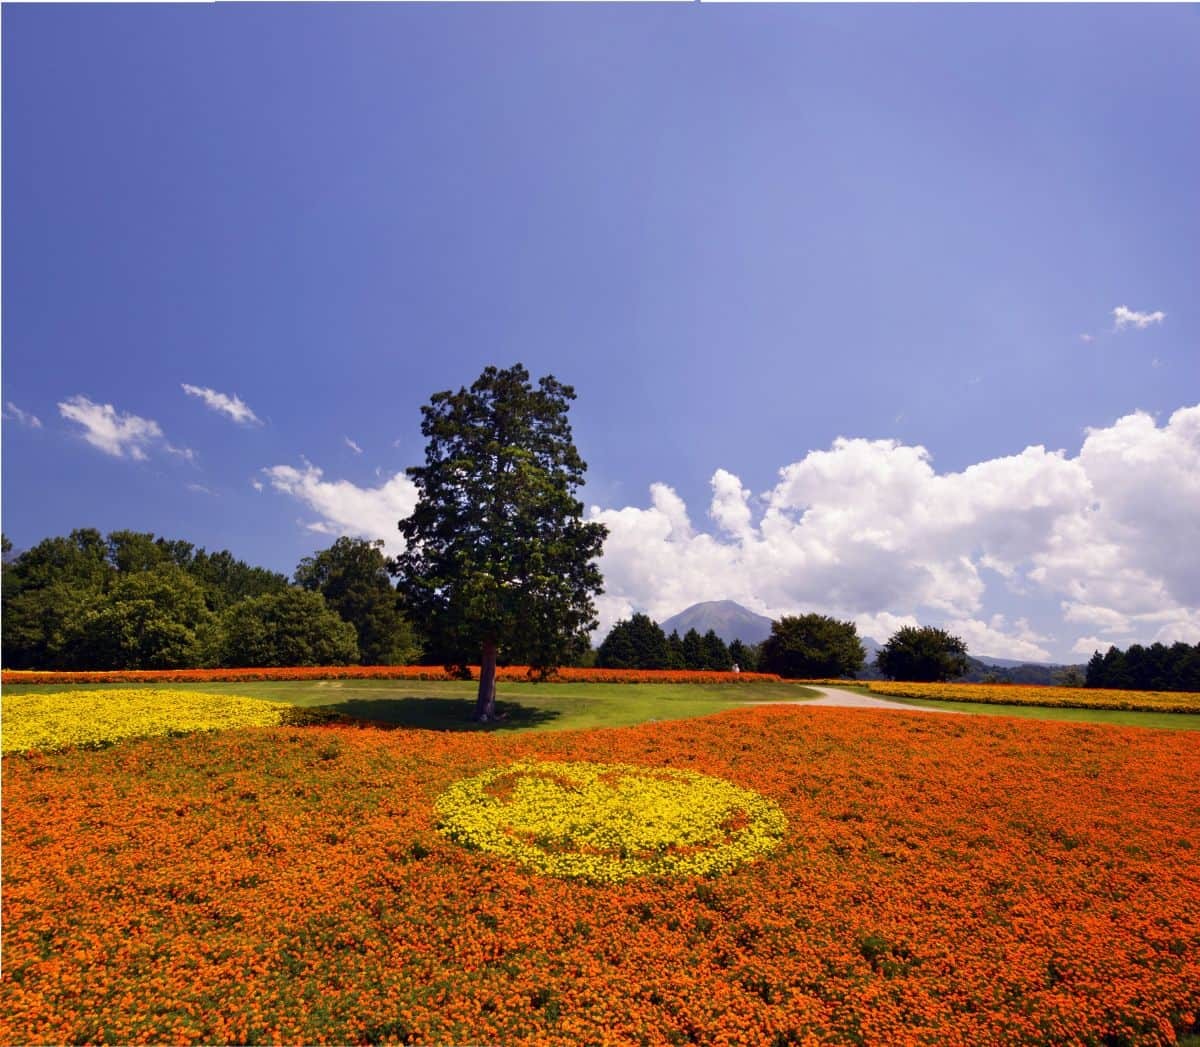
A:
x: 352, y: 445
x: 1124, y: 317
x: 200, y: 489
x: 14, y: 414
x: 1087, y: 339
x: 234, y: 406
x: 108, y: 430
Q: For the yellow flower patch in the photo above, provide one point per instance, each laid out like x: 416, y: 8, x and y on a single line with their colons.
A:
x: 610, y: 822
x: 81, y: 718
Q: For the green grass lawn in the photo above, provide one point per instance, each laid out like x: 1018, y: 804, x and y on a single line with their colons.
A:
x: 448, y: 706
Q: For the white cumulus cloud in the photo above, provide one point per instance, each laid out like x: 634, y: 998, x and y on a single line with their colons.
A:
x: 344, y: 508
x: 996, y: 638
x: 870, y: 530
x: 106, y: 428
x: 233, y: 406
x: 1124, y: 317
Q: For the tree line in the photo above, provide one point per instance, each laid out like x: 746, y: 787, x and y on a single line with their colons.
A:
x: 498, y: 566
x: 640, y: 643
x: 1153, y: 668
x: 131, y: 600
x: 809, y: 646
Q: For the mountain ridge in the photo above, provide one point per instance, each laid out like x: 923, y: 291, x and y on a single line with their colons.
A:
x: 727, y: 618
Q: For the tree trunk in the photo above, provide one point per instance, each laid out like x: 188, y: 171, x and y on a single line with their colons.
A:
x: 485, y: 703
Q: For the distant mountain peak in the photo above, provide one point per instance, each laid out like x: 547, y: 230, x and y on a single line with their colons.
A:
x: 727, y: 618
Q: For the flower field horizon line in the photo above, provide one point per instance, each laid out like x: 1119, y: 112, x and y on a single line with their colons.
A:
x: 1047, y: 696
x: 379, y: 672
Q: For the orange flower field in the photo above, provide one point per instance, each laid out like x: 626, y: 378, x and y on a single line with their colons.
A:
x: 901, y: 879
x: 376, y: 672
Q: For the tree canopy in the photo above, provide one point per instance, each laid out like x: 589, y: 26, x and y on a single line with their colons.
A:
x: 745, y: 656
x: 498, y: 559
x: 292, y: 627
x: 353, y: 577
x: 1154, y: 668
x: 812, y: 646
x: 131, y: 600
x: 149, y: 619
x: 634, y: 643
x: 922, y: 654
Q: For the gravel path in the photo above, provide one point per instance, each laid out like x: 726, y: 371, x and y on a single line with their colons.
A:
x: 854, y: 700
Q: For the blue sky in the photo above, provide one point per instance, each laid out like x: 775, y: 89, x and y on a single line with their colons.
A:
x: 742, y: 233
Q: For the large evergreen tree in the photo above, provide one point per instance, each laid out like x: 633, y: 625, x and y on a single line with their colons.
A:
x: 635, y: 643
x: 1153, y: 668
x: 716, y: 654
x: 676, y: 659
x: 693, y: 650
x: 498, y: 557
x: 745, y: 656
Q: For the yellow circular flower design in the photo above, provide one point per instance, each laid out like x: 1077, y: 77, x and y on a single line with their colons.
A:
x: 610, y: 822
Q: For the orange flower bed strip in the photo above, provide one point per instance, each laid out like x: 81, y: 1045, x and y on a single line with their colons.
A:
x: 1054, y: 697
x: 377, y: 672
x: 938, y: 880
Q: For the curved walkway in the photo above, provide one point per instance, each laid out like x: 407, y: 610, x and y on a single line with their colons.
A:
x: 854, y: 700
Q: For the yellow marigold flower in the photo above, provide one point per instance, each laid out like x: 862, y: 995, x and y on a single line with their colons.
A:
x: 80, y: 718
x: 610, y: 822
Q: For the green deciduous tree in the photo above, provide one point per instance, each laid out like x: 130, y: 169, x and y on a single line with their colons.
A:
x: 923, y: 654
x: 353, y: 577
x: 634, y: 643
x: 92, y: 602
x: 36, y: 621
x: 812, y: 646
x: 498, y: 557
x: 293, y: 627
x: 227, y: 580
x: 79, y: 560
x: 149, y: 619
x: 44, y: 588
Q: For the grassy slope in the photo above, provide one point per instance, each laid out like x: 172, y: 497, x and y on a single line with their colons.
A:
x: 547, y: 706
x: 529, y: 706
